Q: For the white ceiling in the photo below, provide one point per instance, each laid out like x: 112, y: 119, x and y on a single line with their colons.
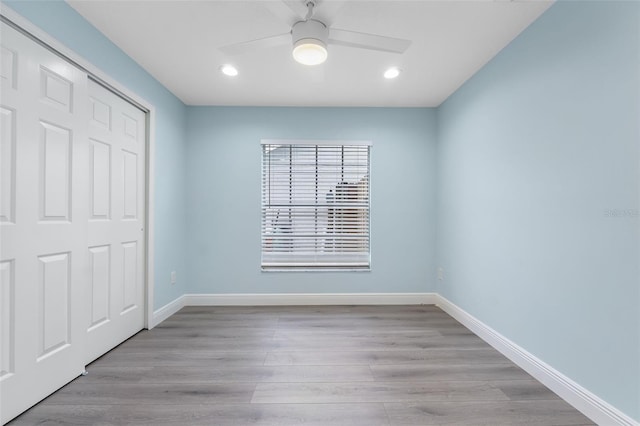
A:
x: 177, y: 42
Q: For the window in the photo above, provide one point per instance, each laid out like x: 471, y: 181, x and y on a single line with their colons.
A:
x: 315, y: 205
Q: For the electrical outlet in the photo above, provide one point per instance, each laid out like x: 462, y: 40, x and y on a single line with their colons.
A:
x: 173, y: 277
x: 440, y: 273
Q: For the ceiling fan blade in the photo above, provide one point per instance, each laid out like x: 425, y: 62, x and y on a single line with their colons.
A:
x: 287, y: 11
x: 299, y: 7
x: 368, y: 41
x: 261, y: 43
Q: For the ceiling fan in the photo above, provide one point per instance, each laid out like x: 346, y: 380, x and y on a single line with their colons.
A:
x: 310, y: 35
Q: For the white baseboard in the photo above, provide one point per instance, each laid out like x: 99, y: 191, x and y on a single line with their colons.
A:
x: 167, y: 310
x: 292, y: 299
x: 583, y: 400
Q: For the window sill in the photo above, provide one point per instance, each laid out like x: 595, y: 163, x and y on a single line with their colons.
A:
x: 312, y: 269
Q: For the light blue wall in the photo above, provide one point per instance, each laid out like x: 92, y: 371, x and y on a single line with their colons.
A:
x: 67, y: 26
x: 538, y: 195
x: 224, y: 170
x: 538, y: 189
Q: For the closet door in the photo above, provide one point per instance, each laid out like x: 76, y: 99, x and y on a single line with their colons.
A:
x: 43, y: 222
x: 116, y: 249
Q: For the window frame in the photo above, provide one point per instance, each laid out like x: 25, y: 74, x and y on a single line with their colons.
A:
x: 310, y: 266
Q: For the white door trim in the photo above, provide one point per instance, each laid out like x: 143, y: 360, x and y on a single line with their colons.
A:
x: 97, y: 74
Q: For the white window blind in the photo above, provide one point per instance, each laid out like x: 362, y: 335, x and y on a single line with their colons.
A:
x: 315, y: 204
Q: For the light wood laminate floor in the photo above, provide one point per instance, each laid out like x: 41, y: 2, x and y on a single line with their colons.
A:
x: 329, y: 365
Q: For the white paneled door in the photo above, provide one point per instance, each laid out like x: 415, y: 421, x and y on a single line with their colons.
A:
x: 116, y: 220
x: 43, y: 223
x: 72, y: 191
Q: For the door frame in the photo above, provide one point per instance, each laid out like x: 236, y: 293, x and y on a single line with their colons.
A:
x: 14, y: 19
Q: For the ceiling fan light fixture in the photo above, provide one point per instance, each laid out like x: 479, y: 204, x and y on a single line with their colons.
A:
x: 309, y: 51
x: 310, y: 39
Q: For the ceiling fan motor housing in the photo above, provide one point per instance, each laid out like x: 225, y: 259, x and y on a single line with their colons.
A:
x: 310, y: 30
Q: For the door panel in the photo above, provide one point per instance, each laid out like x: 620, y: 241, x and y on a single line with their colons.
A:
x: 54, y: 292
x: 43, y: 222
x: 116, y: 223
x: 130, y: 184
x: 100, y: 259
x: 100, y: 180
x: 7, y: 328
x: 55, y: 185
x: 7, y: 165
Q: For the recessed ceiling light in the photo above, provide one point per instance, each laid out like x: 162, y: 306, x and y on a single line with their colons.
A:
x: 392, y: 73
x: 229, y: 70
